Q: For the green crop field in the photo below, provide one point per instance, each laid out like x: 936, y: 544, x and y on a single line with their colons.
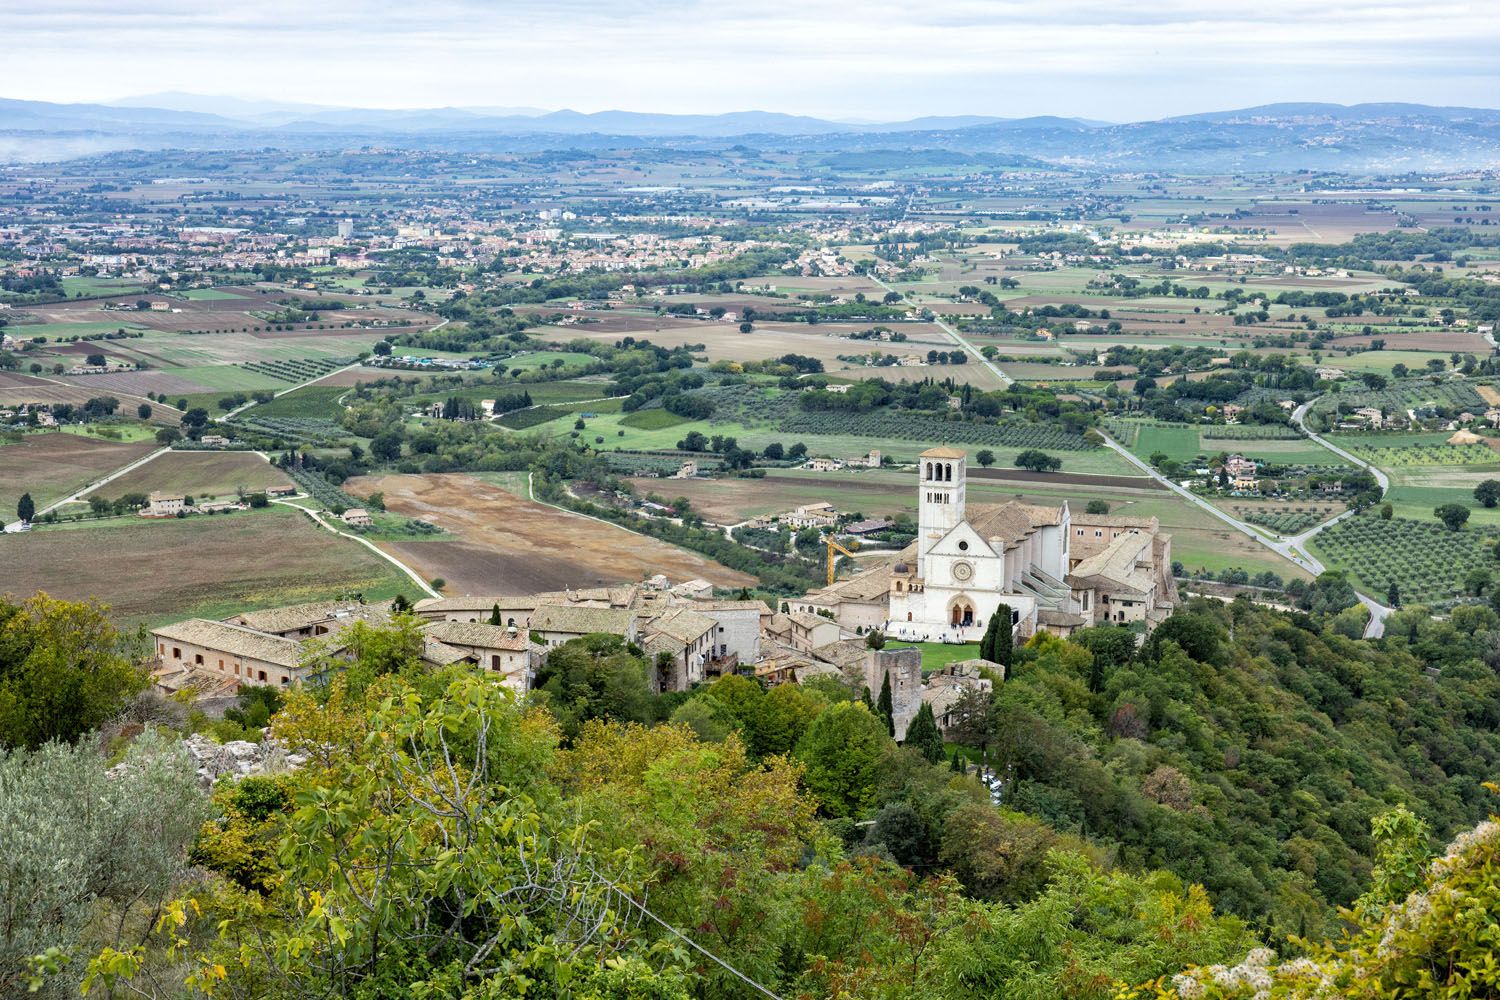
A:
x: 839, y: 445
x: 64, y: 331
x: 539, y: 359
x: 653, y: 420
x: 310, y: 401
x: 228, y: 378
x: 167, y: 570
x: 208, y: 295
x: 95, y: 287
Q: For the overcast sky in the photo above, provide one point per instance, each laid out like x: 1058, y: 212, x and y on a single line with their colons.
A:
x: 880, y: 60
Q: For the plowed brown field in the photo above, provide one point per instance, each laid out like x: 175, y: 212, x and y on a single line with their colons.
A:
x: 504, y: 544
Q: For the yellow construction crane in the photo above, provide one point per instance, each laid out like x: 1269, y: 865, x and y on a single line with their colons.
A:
x: 832, y: 547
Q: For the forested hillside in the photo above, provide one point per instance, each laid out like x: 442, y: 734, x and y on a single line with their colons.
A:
x: 1223, y: 789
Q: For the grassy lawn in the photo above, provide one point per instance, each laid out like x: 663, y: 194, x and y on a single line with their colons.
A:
x: 127, y: 433
x: 937, y: 655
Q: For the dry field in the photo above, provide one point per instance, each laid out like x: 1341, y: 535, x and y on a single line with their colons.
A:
x: 50, y: 466
x: 137, y: 383
x: 162, y: 570
x: 200, y: 473
x: 504, y: 544
x: 876, y: 494
x: 1444, y: 341
x: 16, y: 389
x: 231, y: 314
x: 1335, y: 223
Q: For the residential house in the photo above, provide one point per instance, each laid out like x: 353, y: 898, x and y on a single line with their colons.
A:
x: 560, y: 623
x: 164, y: 505
x: 208, y: 654
x: 506, y: 651
x: 310, y: 620
x: 812, y: 515
x: 803, y: 630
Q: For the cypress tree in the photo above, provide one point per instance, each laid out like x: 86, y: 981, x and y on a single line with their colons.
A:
x: 996, y: 645
x: 25, y: 508
x: 924, y: 735
x: 887, y: 705
x: 495, y: 615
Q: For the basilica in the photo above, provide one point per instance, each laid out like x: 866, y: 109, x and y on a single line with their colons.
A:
x: 1052, y: 568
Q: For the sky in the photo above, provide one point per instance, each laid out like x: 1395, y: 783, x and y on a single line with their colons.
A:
x: 876, y: 60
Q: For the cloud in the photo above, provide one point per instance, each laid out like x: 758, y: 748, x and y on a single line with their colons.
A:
x: 881, y: 59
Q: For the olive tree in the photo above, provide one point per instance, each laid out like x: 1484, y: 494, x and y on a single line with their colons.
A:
x: 88, y: 856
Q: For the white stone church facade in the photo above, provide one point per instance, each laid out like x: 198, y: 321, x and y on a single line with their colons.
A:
x: 1053, y: 569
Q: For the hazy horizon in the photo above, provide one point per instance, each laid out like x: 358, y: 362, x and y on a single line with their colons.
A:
x: 1012, y: 59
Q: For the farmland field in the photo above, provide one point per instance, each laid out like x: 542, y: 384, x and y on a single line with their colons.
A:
x: 1199, y: 541
x: 502, y: 543
x: 1423, y: 558
x: 158, y: 571
x: 317, y: 401
x: 200, y: 473
x: 52, y: 465
x: 1184, y: 443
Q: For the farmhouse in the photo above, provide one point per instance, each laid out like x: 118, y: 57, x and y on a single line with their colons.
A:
x: 812, y: 515
x: 164, y: 505
x: 358, y: 517
x: 824, y: 464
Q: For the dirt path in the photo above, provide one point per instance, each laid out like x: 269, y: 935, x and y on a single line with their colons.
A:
x: 500, y: 543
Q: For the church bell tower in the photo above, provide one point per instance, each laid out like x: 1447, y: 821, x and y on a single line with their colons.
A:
x: 940, y: 506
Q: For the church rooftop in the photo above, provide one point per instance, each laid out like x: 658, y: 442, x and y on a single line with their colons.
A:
x: 943, y: 451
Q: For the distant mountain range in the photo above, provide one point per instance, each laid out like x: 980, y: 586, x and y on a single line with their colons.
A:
x: 1358, y: 138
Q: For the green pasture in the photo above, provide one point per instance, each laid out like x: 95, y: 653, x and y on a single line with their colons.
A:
x: 208, y: 295
x: 64, y: 331
x: 227, y: 378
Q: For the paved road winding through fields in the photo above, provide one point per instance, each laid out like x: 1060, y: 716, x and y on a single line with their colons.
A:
x: 1005, y: 380
x: 1294, y: 548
